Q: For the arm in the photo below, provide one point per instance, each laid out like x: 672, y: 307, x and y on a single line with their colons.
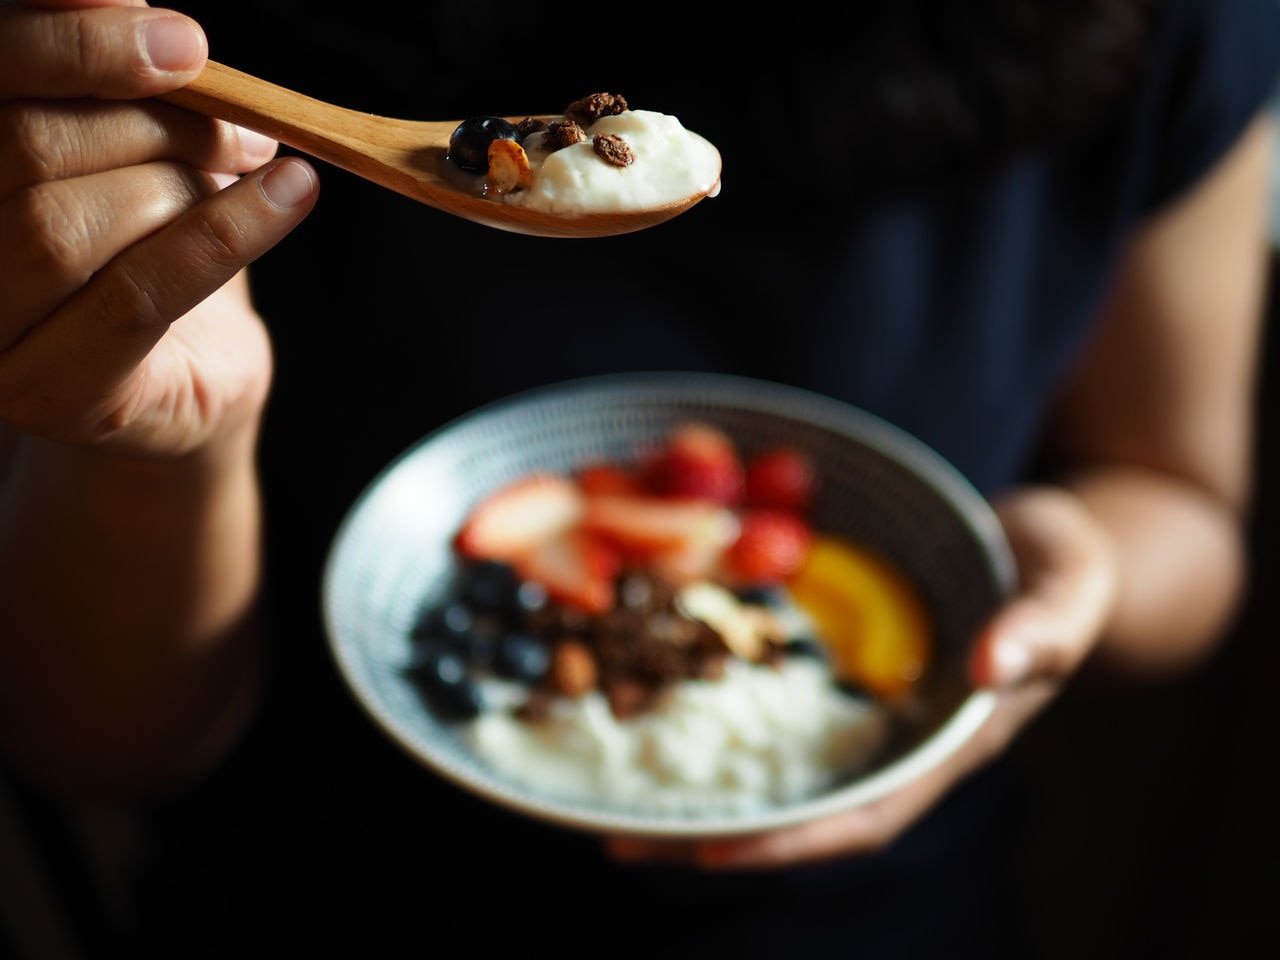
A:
x: 1137, y: 553
x: 127, y: 589
x: 1155, y: 433
x: 133, y: 374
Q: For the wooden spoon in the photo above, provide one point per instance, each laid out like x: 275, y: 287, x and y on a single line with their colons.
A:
x: 408, y: 156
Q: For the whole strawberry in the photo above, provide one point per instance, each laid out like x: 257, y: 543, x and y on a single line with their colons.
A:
x: 698, y: 461
x: 782, y: 479
x: 771, y: 546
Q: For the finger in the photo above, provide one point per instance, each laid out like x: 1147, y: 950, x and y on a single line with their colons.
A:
x: 640, y: 850
x: 60, y: 234
x: 55, y: 140
x: 40, y: 139
x: 107, y: 52
x: 850, y: 833
x: 845, y: 834
x: 1069, y: 584
x: 860, y: 830
x: 77, y: 4
x: 93, y: 346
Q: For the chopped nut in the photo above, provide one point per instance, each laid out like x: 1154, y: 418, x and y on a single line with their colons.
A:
x: 590, y: 109
x: 775, y: 654
x: 644, y: 594
x: 766, y: 624
x: 573, y: 669
x: 613, y: 149
x: 509, y: 168
x: 711, y: 665
x: 744, y: 632
x: 535, y: 709
x: 627, y: 698
x: 530, y: 125
x: 672, y: 628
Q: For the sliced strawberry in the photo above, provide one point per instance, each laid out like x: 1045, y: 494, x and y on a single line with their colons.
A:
x: 644, y: 525
x: 770, y: 547
x: 576, y: 567
x: 516, y: 518
x: 596, y: 478
x: 698, y: 559
x: 699, y: 460
x: 781, y: 479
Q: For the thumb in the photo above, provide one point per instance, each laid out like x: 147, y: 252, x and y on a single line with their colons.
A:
x: 1068, y: 578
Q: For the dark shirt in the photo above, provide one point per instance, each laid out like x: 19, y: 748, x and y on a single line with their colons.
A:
x: 953, y: 313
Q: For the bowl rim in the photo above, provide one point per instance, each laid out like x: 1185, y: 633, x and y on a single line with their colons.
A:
x: 777, y: 399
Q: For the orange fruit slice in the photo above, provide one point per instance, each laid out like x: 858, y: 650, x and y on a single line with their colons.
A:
x: 867, y: 613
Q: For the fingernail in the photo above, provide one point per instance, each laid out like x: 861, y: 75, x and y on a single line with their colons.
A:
x: 256, y: 144
x: 1010, y: 662
x: 172, y: 43
x: 287, y: 184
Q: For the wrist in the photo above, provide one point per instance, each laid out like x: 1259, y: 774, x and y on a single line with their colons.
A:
x: 130, y: 471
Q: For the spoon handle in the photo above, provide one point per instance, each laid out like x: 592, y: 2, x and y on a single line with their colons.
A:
x: 282, y: 114
x: 377, y: 148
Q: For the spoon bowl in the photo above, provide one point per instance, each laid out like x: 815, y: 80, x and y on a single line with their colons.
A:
x: 407, y: 156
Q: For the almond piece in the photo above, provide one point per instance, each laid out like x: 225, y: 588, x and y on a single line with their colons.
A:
x: 573, y: 669
x: 509, y: 168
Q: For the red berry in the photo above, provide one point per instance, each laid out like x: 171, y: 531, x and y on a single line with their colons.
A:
x: 771, y: 546
x: 599, y: 478
x: 698, y: 461
x: 575, y: 568
x: 781, y: 479
x: 642, y: 526
x: 515, y: 518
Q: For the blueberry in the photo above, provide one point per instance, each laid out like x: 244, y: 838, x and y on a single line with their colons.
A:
x: 531, y: 597
x: 807, y: 647
x: 522, y: 656
x: 443, y: 676
x: 855, y: 690
x: 763, y: 595
x: 469, y: 142
x: 433, y: 663
x: 481, y: 645
x: 453, y: 621
x: 489, y: 585
x: 460, y: 701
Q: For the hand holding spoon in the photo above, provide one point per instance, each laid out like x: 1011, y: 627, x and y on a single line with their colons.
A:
x: 407, y: 156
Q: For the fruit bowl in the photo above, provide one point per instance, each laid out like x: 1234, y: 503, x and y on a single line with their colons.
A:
x: 395, y: 557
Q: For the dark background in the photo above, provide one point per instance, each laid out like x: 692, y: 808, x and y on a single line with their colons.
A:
x: 1158, y: 832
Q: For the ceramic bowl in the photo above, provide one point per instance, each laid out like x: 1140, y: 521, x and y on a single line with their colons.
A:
x: 392, y: 558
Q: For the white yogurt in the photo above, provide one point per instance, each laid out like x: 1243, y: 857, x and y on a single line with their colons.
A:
x: 758, y: 738
x: 671, y: 164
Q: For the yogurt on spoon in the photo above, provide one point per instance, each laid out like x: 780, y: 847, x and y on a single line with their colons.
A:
x: 599, y: 157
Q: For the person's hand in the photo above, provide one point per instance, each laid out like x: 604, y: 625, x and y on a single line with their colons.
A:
x: 1030, y: 648
x: 125, y: 226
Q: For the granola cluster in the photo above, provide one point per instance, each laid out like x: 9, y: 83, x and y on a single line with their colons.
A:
x: 509, y: 168
x: 613, y: 149
x: 591, y: 108
x: 643, y: 647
